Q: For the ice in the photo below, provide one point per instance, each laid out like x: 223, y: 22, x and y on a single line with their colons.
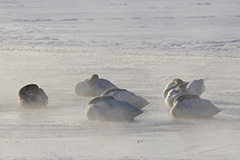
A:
x: 138, y: 45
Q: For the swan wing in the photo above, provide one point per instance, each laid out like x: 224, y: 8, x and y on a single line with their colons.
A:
x: 196, y: 87
x: 130, y: 97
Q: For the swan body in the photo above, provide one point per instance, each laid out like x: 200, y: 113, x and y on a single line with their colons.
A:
x: 125, y: 95
x: 192, y: 106
x: 32, y: 95
x: 107, y: 108
x: 92, y: 87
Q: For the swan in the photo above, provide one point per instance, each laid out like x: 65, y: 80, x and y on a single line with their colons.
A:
x: 107, y: 108
x: 171, y: 85
x: 192, y: 106
x: 170, y: 93
x: 32, y: 95
x: 93, y: 87
x: 125, y: 95
x: 195, y: 87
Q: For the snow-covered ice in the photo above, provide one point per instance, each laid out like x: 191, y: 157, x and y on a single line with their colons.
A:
x: 138, y: 45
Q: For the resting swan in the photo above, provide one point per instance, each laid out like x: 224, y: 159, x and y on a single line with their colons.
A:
x: 106, y: 108
x: 125, y: 95
x: 92, y: 87
x: 187, y: 105
x: 169, y: 93
x: 32, y: 95
x: 171, y: 85
x: 195, y: 87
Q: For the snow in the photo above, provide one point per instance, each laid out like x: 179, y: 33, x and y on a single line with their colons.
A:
x: 138, y: 45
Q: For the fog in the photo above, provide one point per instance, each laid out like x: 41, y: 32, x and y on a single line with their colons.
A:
x: 62, y: 130
x: 136, y: 45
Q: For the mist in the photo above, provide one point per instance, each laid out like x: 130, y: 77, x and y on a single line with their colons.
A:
x: 139, y: 46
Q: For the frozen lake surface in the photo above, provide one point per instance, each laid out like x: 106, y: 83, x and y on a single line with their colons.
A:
x: 186, y: 26
x: 137, y: 45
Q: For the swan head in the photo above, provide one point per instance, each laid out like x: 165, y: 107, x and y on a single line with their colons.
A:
x: 181, y: 86
x: 93, y: 79
x: 177, y: 81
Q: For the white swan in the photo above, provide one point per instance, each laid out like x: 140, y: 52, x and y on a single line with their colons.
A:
x: 170, y: 93
x: 192, y: 106
x: 171, y: 85
x: 195, y: 87
x: 186, y: 105
x: 125, y: 95
x: 92, y: 87
x: 32, y: 95
x: 106, y: 108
